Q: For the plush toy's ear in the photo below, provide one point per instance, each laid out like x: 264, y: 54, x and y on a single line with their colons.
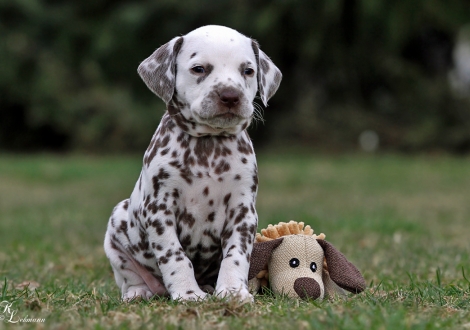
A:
x: 341, y: 271
x: 269, y: 76
x: 159, y: 69
x: 260, y: 256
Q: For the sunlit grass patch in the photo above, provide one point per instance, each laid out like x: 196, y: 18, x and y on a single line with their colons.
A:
x: 402, y: 221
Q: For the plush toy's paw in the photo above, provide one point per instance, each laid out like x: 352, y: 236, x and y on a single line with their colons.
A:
x: 189, y: 295
x: 242, y: 295
x: 254, y: 285
x: 137, y: 292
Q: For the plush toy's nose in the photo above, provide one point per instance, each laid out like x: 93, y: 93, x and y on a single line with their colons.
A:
x: 307, y: 287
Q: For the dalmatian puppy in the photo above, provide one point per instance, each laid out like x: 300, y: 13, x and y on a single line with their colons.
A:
x: 191, y: 220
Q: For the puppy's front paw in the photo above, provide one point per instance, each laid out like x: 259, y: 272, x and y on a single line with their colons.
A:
x: 189, y: 295
x: 242, y: 294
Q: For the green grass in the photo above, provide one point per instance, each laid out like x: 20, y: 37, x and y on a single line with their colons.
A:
x: 404, y: 222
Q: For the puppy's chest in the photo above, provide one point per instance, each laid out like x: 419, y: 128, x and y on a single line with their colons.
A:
x: 209, y: 173
x: 207, y: 183
x: 189, y: 160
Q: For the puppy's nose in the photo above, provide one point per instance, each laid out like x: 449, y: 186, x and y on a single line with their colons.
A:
x: 229, y: 97
x: 307, y: 287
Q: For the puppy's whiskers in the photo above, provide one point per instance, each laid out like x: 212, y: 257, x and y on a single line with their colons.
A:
x: 258, y: 112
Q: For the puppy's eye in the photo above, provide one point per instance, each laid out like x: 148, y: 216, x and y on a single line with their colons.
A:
x: 198, y: 69
x: 313, y: 267
x: 249, y: 72
x: 294, y: 262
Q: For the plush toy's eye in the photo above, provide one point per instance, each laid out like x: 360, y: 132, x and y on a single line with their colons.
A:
x: 313, y: 267
x: 294, y: 263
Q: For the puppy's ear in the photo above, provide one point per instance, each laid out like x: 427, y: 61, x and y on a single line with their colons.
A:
x: 159, y: 69
x: 342, y: 272
x: 260, y: 256
x: 269, y: 76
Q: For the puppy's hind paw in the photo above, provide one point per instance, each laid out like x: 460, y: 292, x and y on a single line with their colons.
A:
x: 137, y: 292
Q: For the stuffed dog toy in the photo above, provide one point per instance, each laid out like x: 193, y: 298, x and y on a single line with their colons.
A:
x: 298, y: 263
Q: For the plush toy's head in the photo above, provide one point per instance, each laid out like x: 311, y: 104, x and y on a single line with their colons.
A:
x: 301, y: 264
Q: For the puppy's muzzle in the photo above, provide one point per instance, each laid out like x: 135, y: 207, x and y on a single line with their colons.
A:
x: 229, y: 101
x: 229, y: 97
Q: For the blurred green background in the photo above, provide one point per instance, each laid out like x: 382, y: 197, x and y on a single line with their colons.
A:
x: 396, y: 71
x: 389, y: 76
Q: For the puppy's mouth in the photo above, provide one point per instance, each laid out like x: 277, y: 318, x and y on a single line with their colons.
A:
x: 223, y: 120
x: 227, y: 115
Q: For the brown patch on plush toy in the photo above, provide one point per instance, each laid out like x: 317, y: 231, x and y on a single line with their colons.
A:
x: 293, y: 260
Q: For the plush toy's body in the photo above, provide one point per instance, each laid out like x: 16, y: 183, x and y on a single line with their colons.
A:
x: 301, y: 264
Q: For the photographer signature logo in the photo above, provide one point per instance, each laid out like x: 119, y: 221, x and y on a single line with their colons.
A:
x: 8, y: 315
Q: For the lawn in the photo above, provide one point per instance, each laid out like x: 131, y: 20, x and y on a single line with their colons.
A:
x: 403, y: 221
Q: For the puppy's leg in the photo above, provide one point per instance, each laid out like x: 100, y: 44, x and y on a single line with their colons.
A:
x: 176, y: 268
x: 237, y: 243
x: 133, y: 279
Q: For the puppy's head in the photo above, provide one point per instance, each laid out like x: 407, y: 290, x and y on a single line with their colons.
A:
x: 209, y: 79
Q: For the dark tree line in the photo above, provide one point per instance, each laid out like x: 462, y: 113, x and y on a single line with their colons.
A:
x: 68, y: 76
